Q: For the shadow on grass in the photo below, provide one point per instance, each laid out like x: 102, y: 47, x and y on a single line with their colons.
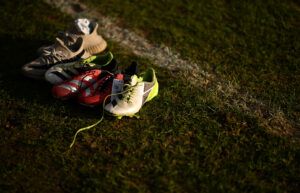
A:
x: 14, y: 53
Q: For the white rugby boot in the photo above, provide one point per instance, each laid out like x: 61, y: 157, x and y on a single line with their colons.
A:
x: 139, y: 91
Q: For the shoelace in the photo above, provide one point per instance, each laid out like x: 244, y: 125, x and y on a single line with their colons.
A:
x: 102, y: 116
x: 130, y: 92
x: 51, y: 56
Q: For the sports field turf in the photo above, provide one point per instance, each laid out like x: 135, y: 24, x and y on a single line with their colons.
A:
x: 189, y: 138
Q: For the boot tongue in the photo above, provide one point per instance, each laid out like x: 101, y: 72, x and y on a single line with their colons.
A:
x: 117, y: 86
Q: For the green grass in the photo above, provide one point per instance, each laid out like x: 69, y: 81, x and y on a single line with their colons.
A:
x: 186, y: 140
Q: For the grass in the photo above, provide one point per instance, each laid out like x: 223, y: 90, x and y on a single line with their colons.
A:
x: 187, y: 139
